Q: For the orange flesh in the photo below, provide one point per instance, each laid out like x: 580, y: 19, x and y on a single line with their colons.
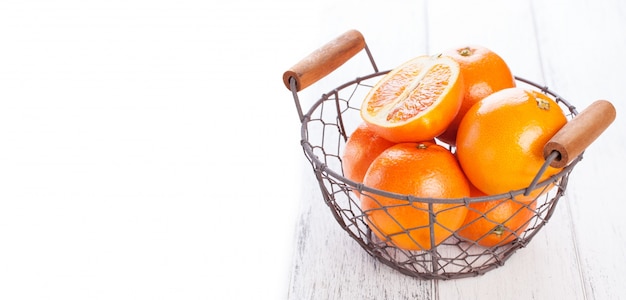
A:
x: 411, y: 98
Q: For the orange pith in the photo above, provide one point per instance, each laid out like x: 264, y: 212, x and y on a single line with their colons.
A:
x: 416, y: 101
x: 419, y: 96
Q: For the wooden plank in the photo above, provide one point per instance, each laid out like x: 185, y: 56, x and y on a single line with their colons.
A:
x: 583, y: 62
x: 328, y: 264
x: 547, y: 268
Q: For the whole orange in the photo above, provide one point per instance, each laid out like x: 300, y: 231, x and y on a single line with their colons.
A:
x: 361, y: 148
x: 484, y: 72
x: 497, y: 222
x: 501, y: 138
x: 416, y: 101
x: 424, y: 170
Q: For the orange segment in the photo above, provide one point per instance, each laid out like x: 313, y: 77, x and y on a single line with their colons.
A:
x: 416, y: 101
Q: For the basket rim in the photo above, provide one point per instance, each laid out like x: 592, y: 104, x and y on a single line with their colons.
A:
x: 320, y: 167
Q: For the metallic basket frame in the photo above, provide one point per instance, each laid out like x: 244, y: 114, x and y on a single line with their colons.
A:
x: 324, y: 131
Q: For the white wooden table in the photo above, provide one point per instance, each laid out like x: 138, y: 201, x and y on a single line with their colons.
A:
x: 575, y: 48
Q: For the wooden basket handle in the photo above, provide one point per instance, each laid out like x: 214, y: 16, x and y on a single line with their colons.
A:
x: 325, y: 59
x: 580, y: 132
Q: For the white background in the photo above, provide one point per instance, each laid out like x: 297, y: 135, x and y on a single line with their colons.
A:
x: 148, y: 149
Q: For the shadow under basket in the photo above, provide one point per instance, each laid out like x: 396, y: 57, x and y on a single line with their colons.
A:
x: 325, y: 128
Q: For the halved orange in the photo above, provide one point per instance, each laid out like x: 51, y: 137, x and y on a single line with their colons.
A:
x: 416, y: 101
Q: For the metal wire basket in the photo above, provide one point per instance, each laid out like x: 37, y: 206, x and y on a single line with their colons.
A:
x: 326, y: 126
